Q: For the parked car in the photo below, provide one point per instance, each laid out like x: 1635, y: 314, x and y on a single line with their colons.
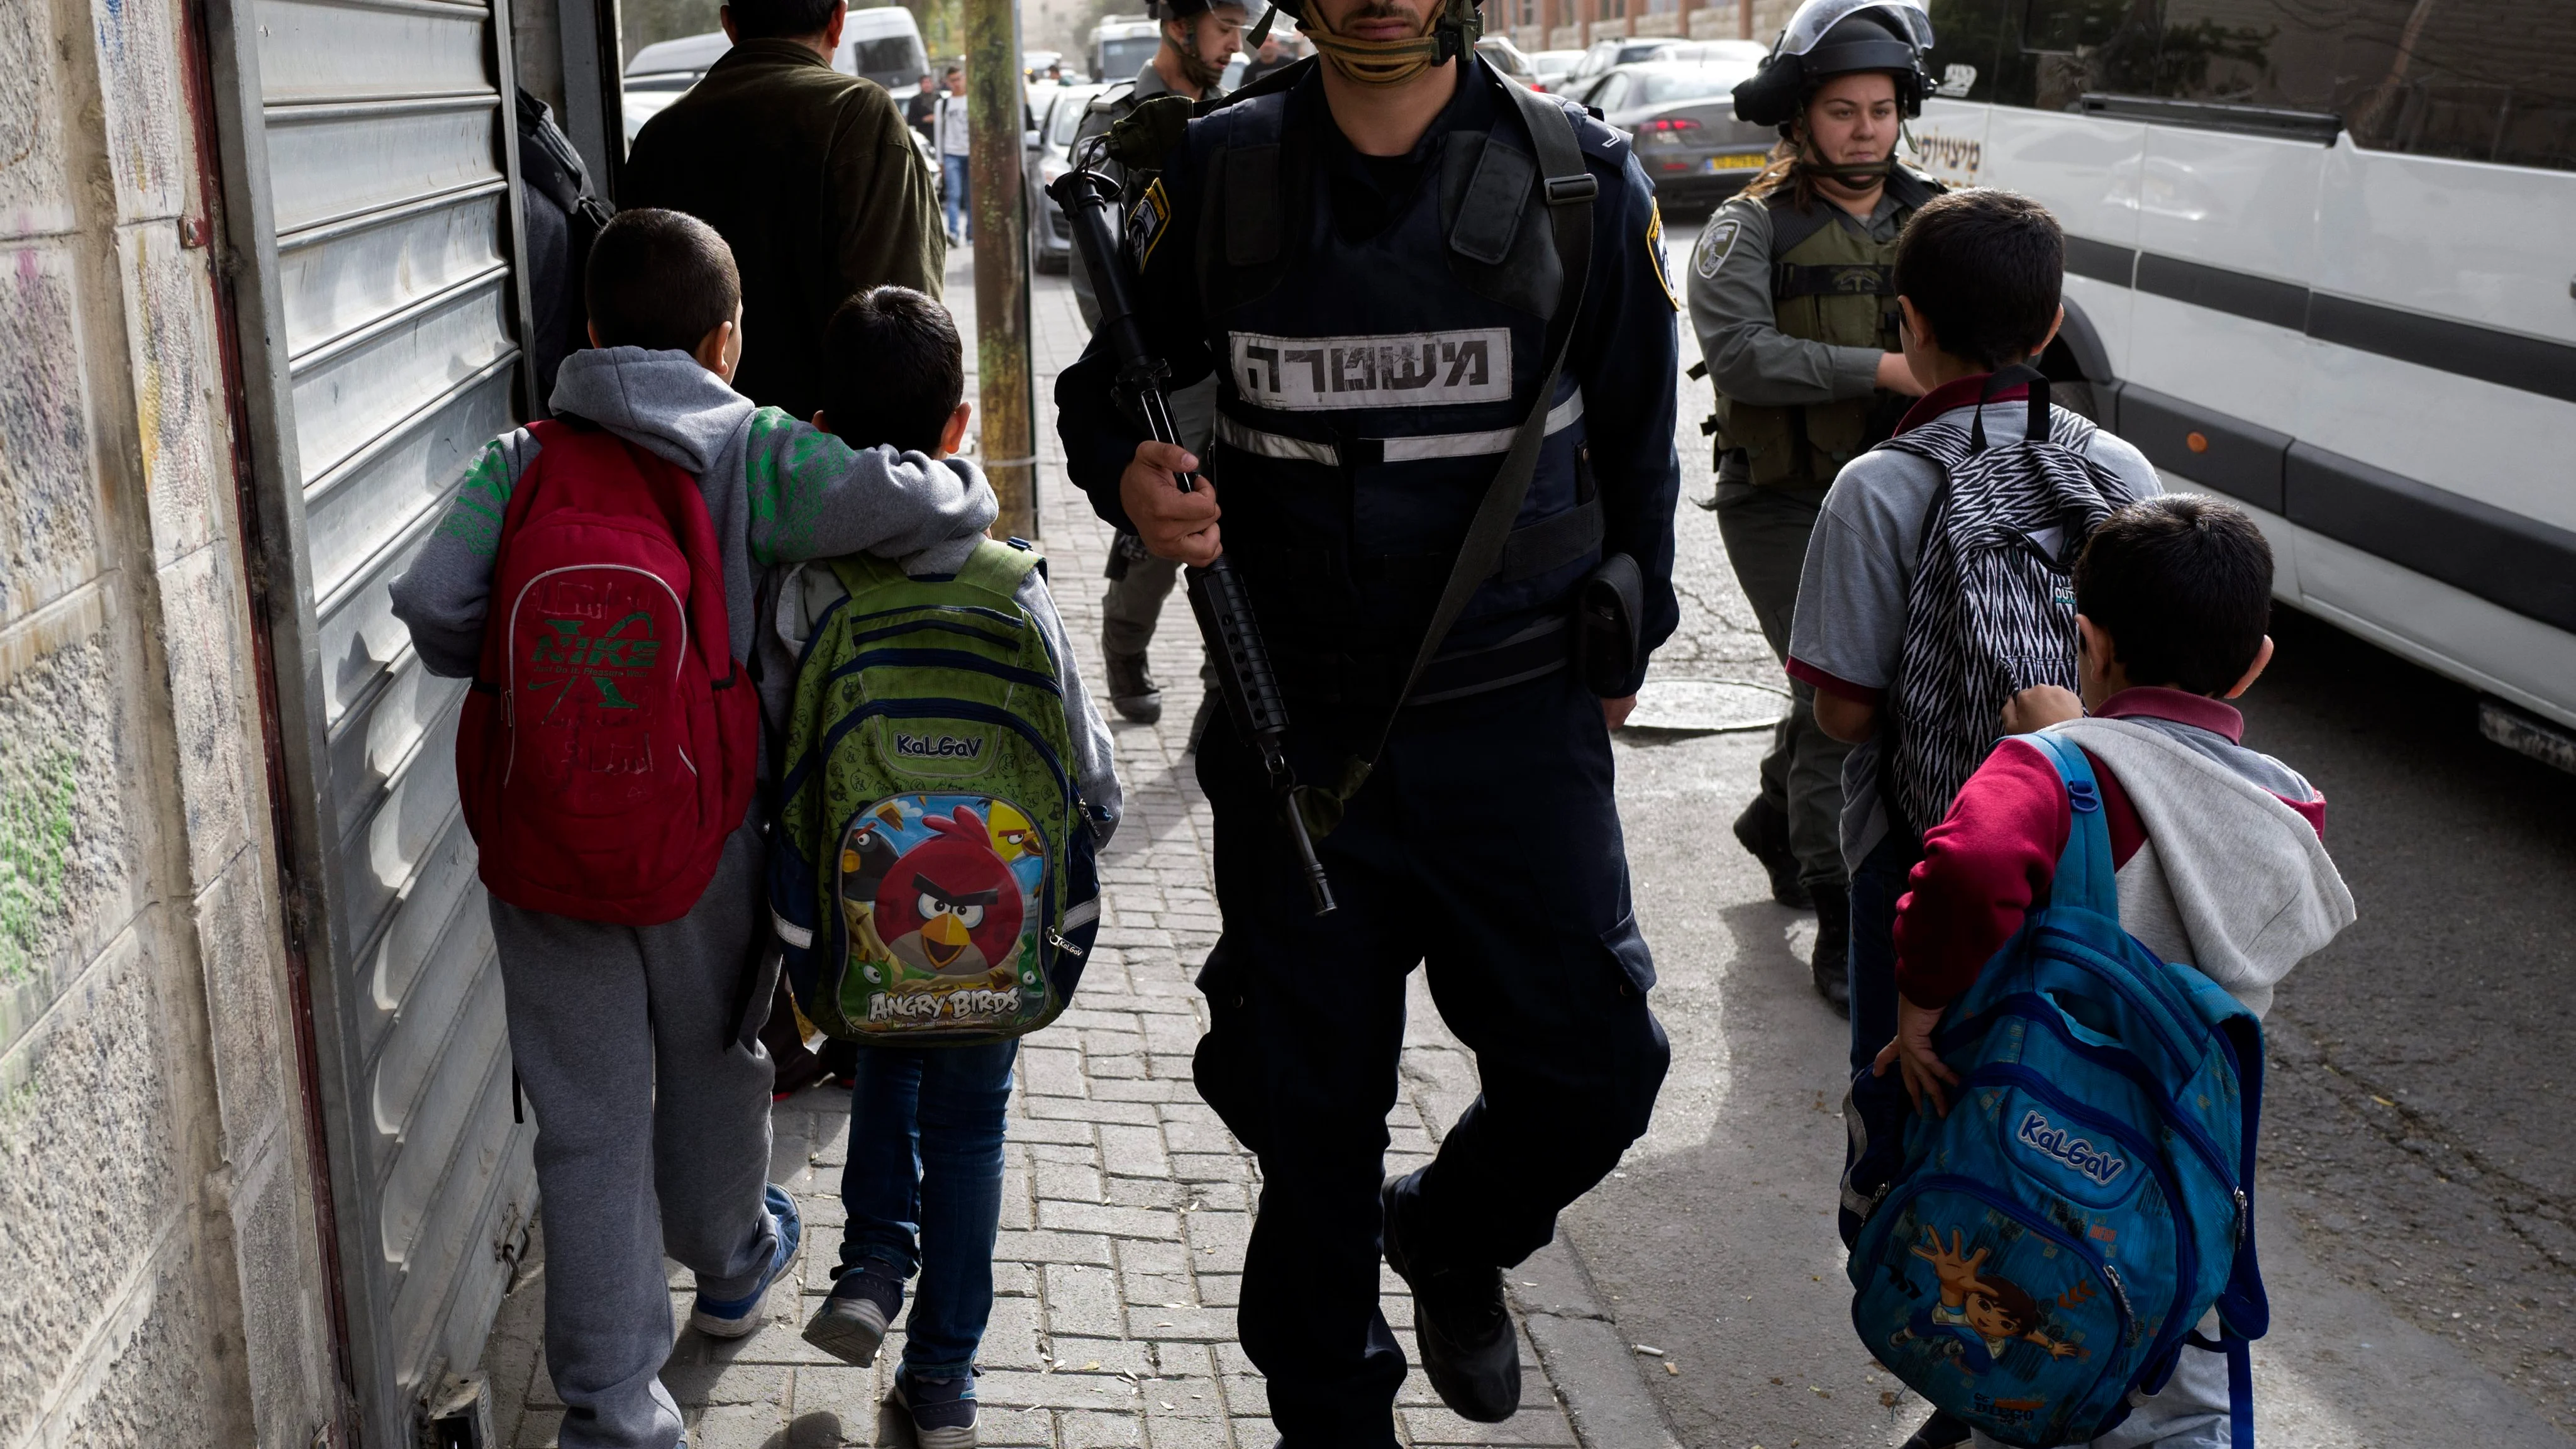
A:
x: 1120, y: 48
x: 1050, y: 240
x: 1552, y: 67
x: 1606, y: 54
x: 1509, y: 59
x: 881, y: 43
x: 1687, y: 137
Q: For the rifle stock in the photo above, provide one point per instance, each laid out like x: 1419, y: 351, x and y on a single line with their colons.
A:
x: 1218, y: 598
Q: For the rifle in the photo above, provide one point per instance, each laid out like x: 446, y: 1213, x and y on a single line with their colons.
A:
x: 1217, y: 593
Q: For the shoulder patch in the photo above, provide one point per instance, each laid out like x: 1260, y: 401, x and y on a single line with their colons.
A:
x: 1714, y: 244
x: 1655, y: 252
x: 1147, y: 223
x: 1598, y: 137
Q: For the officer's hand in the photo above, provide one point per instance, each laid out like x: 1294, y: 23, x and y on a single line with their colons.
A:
x: 1173, y: 524
x: 1896, y: 377
x: 1616, y: 711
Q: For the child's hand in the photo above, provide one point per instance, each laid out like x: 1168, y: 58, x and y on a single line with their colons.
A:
x: 1912, y: 1053
x: 1174, y: 524
x: 2040, y: 706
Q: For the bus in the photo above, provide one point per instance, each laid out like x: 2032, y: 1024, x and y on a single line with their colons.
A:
x: 2318, y: 261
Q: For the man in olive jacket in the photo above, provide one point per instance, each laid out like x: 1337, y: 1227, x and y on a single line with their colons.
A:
x: 808, y: 174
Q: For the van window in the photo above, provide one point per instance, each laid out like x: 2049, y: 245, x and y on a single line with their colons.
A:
x: 889, y: 54
x: 2468, y: 81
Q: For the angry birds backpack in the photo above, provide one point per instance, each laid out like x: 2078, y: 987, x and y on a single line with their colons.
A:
x: 2037, y: 1258
x: 933, y: 879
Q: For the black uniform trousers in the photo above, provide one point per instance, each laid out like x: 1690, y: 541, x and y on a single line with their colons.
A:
x: 1486, y: 846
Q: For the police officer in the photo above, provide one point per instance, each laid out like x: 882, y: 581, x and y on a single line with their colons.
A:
x: 1790, y: 293
x: 1378, y: 260
x: 1199, y: 38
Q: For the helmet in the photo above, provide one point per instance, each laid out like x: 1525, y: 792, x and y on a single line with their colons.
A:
x: 1184, y: 9
x: 1828, y: 38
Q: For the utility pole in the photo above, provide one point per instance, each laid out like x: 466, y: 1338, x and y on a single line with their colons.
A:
x: 1004, y: 386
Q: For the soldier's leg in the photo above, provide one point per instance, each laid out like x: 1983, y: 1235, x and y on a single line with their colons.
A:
x: 1129, y: 610
x: 1766, y: 532
x: 1306, y: 1021
x: 1535, y: 962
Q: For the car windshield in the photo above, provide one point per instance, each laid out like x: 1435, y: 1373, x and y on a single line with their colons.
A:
x: 1067, y: 118
x: 1684, y: 85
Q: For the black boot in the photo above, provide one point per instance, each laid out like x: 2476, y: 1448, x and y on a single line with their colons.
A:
x: 1832, y: 960
x: 1132, y: 691
x: 1763, y: 829
x: 1469, y: 1351
x: 1941, y: 1431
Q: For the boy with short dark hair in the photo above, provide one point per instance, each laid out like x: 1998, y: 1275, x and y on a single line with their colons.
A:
x: 1977, y: 276
x: 2218, y: 850
x: 923, y: 1180
x: 635, y: 1043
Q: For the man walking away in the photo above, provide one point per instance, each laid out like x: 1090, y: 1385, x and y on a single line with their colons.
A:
x: 954, y: 142
x: 807, y: 175
x: 1199, y: 38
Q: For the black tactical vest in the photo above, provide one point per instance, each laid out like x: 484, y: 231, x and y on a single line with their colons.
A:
x: 1368, y: 392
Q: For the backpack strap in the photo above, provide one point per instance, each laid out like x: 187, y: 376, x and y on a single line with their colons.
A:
x: 2086, y: 861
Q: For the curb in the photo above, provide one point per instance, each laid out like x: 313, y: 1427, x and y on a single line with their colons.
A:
x: 1596, y: 1374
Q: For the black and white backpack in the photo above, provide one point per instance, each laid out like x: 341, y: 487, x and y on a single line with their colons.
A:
x: 1991, y: 610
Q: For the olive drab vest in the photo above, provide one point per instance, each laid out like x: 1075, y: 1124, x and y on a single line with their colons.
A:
x: 1369, y: 390
x: 1830, y: 283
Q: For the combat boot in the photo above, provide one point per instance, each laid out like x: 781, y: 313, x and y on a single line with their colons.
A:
x: 1941, y: 1431
x: 1132, y: 691
x: 1831, y: 962
x: 1469, y: 1351
x: 1763, y: 829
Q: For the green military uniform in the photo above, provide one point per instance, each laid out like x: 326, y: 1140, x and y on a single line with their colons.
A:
x: 1793, y: 310
x: 1139, y: 583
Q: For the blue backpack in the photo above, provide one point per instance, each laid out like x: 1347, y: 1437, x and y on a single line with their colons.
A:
x: 2043, y: 1252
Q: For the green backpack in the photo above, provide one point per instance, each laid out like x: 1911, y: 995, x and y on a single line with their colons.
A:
x: 933, y: 879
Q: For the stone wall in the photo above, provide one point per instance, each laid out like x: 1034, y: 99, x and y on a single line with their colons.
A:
x: 161, y: 1280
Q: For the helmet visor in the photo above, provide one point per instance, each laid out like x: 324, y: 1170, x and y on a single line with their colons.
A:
x: 1812, y: 19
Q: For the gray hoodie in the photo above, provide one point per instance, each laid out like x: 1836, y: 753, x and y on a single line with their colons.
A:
x: 777, y: 490
x: 2230, y: 879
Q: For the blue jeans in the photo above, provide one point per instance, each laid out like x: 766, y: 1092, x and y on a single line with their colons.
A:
x: 960, y: 222
x: 924, y: 1189
x: 1875, y: 888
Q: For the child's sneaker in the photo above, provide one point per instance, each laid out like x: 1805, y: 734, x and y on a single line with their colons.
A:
x: 737, y: 1317
x: 852, y: 1322
x: 942, y: 1410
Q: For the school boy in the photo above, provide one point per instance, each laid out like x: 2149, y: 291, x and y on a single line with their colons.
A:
x: 923, y: 1178
x: 635, y: 1044
x: 1977, y: 276
x: 2219, y: 850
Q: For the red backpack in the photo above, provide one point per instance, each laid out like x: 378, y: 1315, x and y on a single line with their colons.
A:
x: 608, y: 746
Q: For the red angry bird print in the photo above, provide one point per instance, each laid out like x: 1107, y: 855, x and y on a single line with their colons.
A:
x: 950, y: 906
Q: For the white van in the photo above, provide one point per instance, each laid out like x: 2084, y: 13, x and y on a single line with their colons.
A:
x: 2318, y: 260
x: 881, y: 43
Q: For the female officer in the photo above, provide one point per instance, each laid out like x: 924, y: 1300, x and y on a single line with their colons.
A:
x: 1789, y: 292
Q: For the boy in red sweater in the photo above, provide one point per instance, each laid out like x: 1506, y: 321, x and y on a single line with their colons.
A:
x: 2219, y: 849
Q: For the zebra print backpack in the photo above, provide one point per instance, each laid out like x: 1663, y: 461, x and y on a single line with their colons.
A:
x: 1991, y: 610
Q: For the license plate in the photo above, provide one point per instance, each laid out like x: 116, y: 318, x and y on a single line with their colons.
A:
x: 1742, y: 161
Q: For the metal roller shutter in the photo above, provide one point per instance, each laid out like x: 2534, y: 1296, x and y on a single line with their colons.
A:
x: 368, y: 171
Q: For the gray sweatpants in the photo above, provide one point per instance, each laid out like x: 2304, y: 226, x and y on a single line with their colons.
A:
x: 652, y: 1132
x: 1766, y: 531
